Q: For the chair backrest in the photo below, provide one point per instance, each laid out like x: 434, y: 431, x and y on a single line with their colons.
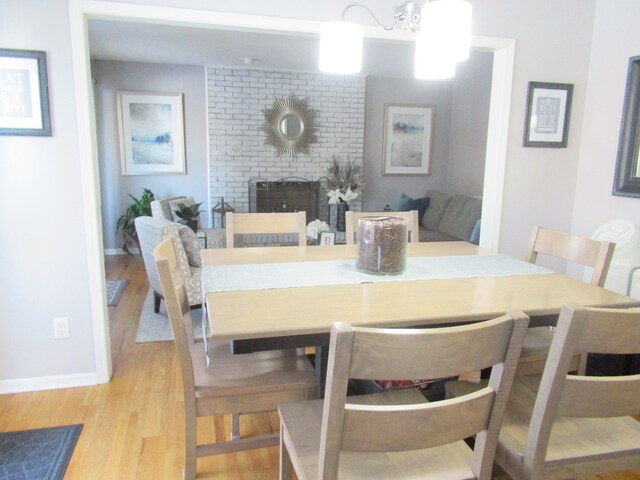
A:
x: 266, y: 223
x: 172, y: 281
x: 582, y: 250
x: 162, y: 208
x: 351, y: 220
x: 368, y: 353
x: 579, y: 329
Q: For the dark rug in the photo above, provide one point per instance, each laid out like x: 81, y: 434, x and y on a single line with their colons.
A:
x: 41, y: 454
x: 114, y: 291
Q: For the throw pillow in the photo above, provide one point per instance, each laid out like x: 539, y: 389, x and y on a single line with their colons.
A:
x: 407, y: 204
x: 173, y: 204
x: 475, y: 234
x: 191, y: 246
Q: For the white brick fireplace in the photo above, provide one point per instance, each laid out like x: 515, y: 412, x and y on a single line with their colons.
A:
x: 236, y: 99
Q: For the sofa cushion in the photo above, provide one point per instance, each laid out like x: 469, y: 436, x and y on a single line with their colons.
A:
x: 191, y: 245
x: 173, y: 204
x: 438, y: 202
x: 406, y: 204
x: 427, y: 235
x: 460, y: 217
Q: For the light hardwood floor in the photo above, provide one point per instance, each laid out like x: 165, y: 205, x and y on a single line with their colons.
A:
x: 133, y: 425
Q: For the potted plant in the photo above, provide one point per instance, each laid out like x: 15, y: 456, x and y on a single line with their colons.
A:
x: 139, y: 208
x: 189, y: 214
x: 343, y: 184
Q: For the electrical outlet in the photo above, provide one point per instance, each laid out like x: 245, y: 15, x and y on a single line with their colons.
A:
x: 61, y: 327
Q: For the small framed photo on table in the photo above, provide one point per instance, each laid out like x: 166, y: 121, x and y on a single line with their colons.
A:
x: 548, y: 112
x: 327, y: 238
x: 24, y: 95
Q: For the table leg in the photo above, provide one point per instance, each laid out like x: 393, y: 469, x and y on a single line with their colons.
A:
x: 322, y: 360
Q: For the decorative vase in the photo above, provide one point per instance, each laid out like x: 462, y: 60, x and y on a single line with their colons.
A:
x: 340, y: 220
x: 382, y: 245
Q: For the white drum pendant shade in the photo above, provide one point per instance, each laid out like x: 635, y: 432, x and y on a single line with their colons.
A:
x: 449, y: 21
x: 341, y: 47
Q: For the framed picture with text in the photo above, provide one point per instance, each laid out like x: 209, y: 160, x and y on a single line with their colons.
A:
x: 408, y: 134
x: 548, y: 112
x: 151, y: 133
x: 24, y: 95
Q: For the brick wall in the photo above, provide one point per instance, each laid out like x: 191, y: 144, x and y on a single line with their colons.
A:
x: 236, y: 99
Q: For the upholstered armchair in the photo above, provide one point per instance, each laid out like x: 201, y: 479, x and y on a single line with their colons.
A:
x: 151, y: 231
x: 163, y: 209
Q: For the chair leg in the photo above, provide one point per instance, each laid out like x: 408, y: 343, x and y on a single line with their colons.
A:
x: 286, y: 467
x: 156, y: 302
x: 190, y: 444
x: 235, y: 426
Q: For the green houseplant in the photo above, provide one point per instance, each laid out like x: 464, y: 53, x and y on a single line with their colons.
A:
x: 139, y: 208
x: 189, y: 214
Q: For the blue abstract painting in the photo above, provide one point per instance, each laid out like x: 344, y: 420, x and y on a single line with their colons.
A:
x: 151, y: 139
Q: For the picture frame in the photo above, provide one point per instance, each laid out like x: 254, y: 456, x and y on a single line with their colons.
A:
x: 407, y: 139
x: 24, y: 93
x: 548, y: 114
x: 151, y: 127
x: 327, y: 238
x: 626, y: 182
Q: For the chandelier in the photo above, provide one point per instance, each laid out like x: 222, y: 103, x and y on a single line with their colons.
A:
x: 443, y: 38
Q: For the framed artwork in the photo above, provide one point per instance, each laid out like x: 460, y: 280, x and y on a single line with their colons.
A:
x: 627, y: 175
x: 151, y: 133
x: 408, y: 135
x: 24, y: 95
x: 548, y: 112
x: 327, y: 238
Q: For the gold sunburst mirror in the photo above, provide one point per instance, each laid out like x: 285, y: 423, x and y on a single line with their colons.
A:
x: 290, y: 125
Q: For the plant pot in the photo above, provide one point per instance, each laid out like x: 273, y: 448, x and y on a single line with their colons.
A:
x: 192, y: 224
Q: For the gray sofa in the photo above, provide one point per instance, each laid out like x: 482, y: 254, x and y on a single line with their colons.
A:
x: 450, y: 217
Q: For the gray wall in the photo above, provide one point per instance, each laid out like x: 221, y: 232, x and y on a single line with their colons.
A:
x: 44, y: 266
x: 469, y: 123
x: 386, y: 190
x: 460, y: 132
x: 111, y: 77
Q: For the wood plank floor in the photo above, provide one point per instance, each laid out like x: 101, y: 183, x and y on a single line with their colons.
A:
x: 133, y: 424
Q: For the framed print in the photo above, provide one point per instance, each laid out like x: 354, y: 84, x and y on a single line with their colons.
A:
x: 627, y: 175
x: 408, y: 134
x: 151, y: 133
x: 547, y: 117
x: 24, y: 95
x: 327, y: 238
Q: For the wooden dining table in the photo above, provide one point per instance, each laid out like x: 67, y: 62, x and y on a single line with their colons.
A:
x: 273, y: 318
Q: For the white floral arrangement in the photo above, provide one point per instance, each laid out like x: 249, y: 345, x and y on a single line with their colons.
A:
x: 336, y: 196
x: 315, y: 228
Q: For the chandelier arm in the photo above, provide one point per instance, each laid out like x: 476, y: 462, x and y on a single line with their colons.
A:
x: 362, y: 5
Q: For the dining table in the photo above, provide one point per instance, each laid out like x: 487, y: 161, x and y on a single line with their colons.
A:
x: 267, y: 298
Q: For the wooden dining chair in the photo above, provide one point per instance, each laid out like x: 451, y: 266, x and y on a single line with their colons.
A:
x: 351, y: 221
x: 229, y: 384
x: 266, y: 223
x: 339, y: 437
x: 584, y: 251
x: 576, y: 426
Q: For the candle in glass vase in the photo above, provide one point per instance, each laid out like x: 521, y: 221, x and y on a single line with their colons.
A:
x: 382, y: 245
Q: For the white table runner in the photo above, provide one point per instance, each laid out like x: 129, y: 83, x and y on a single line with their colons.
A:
x: 226, y: 278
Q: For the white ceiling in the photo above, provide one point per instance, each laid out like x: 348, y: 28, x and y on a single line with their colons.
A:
x: 144, y: 42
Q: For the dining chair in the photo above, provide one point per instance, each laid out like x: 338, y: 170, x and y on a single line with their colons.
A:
x: 266, y: 223
x: 574, y: 425
x: 340, y: 437
x: 351, y: 220
x: 584, y: 251
x: 227, y: 384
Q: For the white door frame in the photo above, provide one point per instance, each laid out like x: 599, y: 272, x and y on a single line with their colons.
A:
x: 82, y: 10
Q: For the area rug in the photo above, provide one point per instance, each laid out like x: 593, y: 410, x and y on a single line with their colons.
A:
x: 155, y: 327
x: 114, y: 291
x: 41, y: 454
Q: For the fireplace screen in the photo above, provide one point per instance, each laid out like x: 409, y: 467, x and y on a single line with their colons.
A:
x: 291, y: 194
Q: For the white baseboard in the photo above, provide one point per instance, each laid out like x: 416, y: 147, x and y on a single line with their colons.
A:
x: 119, y: 251
x: 33, y: 384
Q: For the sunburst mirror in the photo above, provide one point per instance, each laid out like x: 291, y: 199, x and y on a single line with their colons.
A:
x: 290, y: 125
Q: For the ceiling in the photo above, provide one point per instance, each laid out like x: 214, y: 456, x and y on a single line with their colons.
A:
x: 145, y: 42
